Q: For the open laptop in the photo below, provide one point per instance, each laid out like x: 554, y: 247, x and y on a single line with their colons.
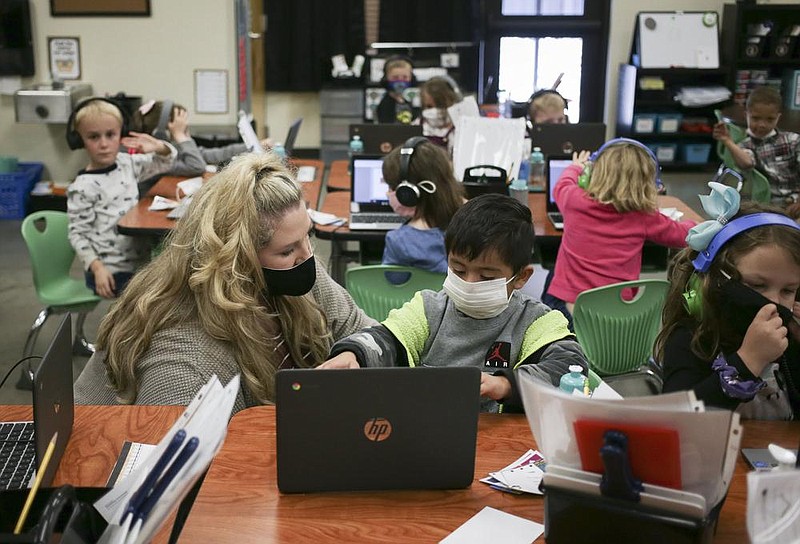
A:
x: 53, y: 411
x: 369, y: 204
x: 376, y: 428
x: 555, y: 139
x: 556, y: 164
x: 291, y: 136
x: 381, y: 138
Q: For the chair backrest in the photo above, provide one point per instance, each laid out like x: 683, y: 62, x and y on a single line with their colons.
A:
x: 617, y: 335
x: 45, y: 234
x: 377, y: 289
x: 755, y: 185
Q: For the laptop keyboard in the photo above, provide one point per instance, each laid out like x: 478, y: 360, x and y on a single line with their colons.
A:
x: 17, y: 454
x: 363, y: 217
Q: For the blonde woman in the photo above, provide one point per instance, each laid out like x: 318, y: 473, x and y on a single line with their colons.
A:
x: 609, y: 206
x: 236, y: 290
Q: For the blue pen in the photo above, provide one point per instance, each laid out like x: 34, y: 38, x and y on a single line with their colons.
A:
x: 145, y: 489
x: 167, y: 479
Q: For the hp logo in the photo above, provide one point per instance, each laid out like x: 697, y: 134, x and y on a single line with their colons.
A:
x: 377, y: 429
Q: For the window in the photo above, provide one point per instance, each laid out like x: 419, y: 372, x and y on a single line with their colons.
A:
x: 529, y: 43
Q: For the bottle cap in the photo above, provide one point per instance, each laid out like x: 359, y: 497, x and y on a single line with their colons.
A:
x: 576, y: 368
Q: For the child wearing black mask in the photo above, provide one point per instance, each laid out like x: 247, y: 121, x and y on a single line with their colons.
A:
x: 394, y: 107
x: 729, y: 320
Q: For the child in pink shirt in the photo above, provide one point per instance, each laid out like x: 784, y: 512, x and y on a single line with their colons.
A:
x: 608, y: 201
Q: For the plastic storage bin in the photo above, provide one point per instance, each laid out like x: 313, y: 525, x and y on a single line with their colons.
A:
x: 664, y: 152
x: 696, y: 153
x: 669, y: 123
x: 15, y: 188
x: 644, y: 123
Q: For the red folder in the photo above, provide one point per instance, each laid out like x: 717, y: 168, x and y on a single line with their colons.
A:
x: 654, y: 452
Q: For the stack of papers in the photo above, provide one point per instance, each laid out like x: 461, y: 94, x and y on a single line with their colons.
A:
x: 708, y: 443
x: 321, y: 218
x: 521, y: 476
x: 140, y: 503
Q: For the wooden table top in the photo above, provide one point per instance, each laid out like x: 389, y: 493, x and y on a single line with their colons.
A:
x: 140, y: 220
x: 338, y: 203
x: 239, y: 500
x: 338, y: 176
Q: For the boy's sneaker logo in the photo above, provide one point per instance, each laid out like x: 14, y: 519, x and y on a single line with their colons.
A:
x: 498, y: 355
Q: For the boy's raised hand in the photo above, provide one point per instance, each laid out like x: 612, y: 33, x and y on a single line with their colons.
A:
x: 179, y: 126
x: 764, y: 341
x: 720, y: 132
x: 495, y: 387
x: 145, y: 143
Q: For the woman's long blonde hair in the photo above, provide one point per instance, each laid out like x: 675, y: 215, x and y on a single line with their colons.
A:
x: 209, y: 272
x: 624, y: 176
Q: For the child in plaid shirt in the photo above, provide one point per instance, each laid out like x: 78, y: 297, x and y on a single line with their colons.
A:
x: 774, y: 152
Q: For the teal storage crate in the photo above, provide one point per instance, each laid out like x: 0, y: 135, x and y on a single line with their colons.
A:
x: 669, y: 123
x: 664, y: 152
x: 696, y: 153
x: 15, y: 189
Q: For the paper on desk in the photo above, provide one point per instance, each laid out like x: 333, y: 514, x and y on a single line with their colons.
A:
x: 709, y: 441
x: 773, y: 511
x: 491, y: 525
x: 161, y: 203
x: 206, y: 418
x: 321, y: 218
x: 673, y: 213
x: 190, y: 186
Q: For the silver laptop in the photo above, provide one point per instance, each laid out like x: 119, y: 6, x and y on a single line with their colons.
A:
x: 555, y: 139
x: 369, y: 204
x: 23, y: 443
x: 376, y: 428
x: 556, y: 164
x: 380, y: 138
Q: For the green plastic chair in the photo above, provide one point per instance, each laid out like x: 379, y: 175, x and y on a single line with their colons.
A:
x: 377, y: 289
x: 755, y: 185
x: 45, y: 234
x: 617, y: 335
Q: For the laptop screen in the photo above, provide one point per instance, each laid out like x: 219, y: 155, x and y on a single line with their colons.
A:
x: 555, y: 167
x: 368, y: 187
x: 381, y: 138
x: 291, y: 136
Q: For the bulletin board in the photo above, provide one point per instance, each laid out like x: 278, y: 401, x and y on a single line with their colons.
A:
x: 678, y: 39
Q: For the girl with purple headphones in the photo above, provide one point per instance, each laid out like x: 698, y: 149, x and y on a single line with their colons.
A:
x: 609, y: 205
x: 730, y: 330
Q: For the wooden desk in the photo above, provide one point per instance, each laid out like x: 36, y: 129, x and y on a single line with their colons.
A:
x: 140, y: 221
x: 338, y: 203
x: 239, y: 501
x: 338, y: 176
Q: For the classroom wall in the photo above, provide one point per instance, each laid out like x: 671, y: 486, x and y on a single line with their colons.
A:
x: 183, y: 35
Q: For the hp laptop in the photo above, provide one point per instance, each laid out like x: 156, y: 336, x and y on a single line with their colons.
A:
x: 381, y: 138
x: 23, y: 443
x: 376, y: 428
x: 555, y: 166
x: 369, y: 204
x: 564, y: 139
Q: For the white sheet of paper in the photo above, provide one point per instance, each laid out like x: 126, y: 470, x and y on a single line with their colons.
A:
x: 190, y: 186
x: 161, y: 203
x: 491, y: 525
x: 773, y: 512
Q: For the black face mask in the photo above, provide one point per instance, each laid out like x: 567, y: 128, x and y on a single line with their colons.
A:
x: 740, y: 304
x: 293, y: 282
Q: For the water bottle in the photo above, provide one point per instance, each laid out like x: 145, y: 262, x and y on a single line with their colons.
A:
x: 279, y: 150
x: 356, y: 148
x: 519, y: 190
x: 573, y: 379
x: 537, y: 168
x: 524, y: 171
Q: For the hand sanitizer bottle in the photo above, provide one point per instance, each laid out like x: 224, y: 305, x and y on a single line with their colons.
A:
x: 574, y: 379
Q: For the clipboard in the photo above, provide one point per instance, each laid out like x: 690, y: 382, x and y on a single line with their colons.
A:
x: 677, y: 39
x: 655, y: 452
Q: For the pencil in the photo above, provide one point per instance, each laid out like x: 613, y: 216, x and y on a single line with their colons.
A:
x: 36, y: 483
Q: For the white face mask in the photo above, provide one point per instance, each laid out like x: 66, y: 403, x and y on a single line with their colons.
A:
x: 435, y: 117
x: 477, y: 299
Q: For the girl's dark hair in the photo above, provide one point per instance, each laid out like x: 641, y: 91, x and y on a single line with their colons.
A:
x: 712, y: 334
x: 428, y: 162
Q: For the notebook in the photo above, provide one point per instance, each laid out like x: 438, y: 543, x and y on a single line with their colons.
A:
x: 369, y: 203
x: 381, y: 138
x: 555, y: 167
x: 555, y: 139
x: 53, y: 411
x: 376, y: 428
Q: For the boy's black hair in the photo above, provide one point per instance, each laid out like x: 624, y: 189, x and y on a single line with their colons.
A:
x: 492, y: 222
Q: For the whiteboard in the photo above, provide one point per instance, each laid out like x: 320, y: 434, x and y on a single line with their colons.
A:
x: 678, y: 39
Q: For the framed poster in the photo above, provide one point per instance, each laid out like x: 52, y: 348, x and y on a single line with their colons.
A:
x: 100, y: 8
x: 211, y: 91
x: 65, y: 57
